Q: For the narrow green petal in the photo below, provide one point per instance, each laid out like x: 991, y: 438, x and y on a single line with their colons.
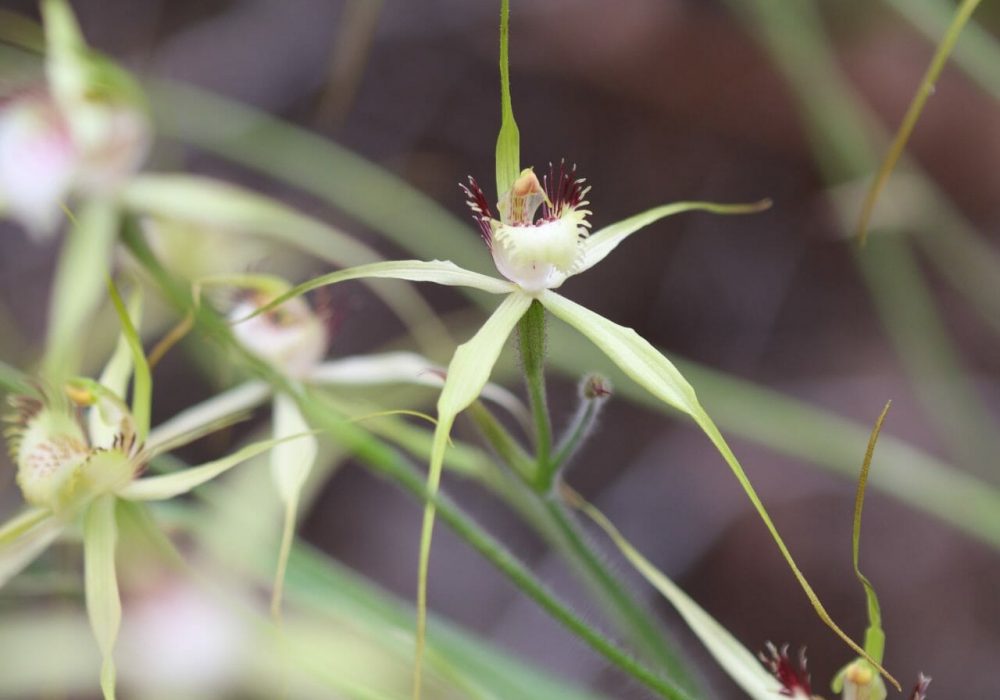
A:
x: 655, y: 373
x: 291, y: 462
x: 208, y: 202
x: 437, y: 271
x: 115, y: 376
x: 598, y: 245
x: 468, y: 372
x: 23, y: 538
x: 190, y: 423
x: 734, y: 658
x: 100, y: 535
x: 142, y: 388
x: 158, y: 488
x: 79, y: 286
x: 406, y: 368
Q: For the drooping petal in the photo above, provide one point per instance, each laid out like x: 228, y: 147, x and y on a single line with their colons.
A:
x: 114, y: 378
x: 104, y: 607
x: 291, y: 462
x: 647, y: 367
x: 468, y: 372
x: 159, y: 488
x: 733, y: 657
x: 599, y: 244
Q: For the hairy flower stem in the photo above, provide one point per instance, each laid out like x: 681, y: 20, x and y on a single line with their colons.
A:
x: 636, y: 621
x: 531, y: 344
x: 386, y: 461
x: 502, y: 442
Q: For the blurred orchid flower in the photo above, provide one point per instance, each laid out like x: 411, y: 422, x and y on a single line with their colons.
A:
x: 83, y: 134
x: 80, y: 450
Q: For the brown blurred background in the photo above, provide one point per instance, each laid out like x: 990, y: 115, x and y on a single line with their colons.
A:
x: 655, y: 100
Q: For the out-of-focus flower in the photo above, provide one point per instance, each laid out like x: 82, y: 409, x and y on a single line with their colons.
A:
x: 83, y: 134
x: 859, y: 681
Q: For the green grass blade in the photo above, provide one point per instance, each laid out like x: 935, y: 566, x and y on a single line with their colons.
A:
x: 509, y: 139
x: 925, y: 90
x: 100, y: 536
x: 204, y: 201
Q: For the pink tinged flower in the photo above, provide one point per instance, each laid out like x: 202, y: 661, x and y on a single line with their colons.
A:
x: 794, y: 679
x: 38, y: 161
x: 536, y: 253
x: 292, y: 337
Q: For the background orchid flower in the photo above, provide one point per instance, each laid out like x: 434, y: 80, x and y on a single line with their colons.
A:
x: 75, y: 469
x: 535, y: 256
x: 84, y: 133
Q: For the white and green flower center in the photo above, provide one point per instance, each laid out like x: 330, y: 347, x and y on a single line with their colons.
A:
x: 535, y: 254
x: 292, y: 337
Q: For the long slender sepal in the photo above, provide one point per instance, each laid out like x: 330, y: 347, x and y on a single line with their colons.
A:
x: 468, y: 372
x: 741, y: 665
x: 600, y: 243
x: 142, y: 389
x: 647, y: 367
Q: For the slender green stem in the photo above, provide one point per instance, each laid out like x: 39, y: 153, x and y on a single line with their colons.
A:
x: 637, y: 621
x: 531, y: 343
x: 502, y: 442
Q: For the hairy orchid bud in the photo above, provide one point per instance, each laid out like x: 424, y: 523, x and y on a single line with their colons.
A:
x: 595, y: 387
x: 536, y: 254
x: 292, y: 337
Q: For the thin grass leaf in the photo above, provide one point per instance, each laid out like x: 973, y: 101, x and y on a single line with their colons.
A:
x: 437, y: 271
x: 189, y: 424
x: 509, y: 140
x: 598, y: 245
x: 209, y: 202
x: 142, y: 388
x: 291, y: 462
x: 468, y: 372
x: 80, y: 276
x: 161, y: 488
x: 925, y: 90
x: 23, y: 538
x: 104, y: 608
x: 654, y: 372
x: 874, y: 636
x: 734, y: 658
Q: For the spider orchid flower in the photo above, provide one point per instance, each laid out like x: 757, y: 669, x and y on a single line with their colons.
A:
x: 531, y: 270
x: 84, y: 133
x: 81, y: 454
